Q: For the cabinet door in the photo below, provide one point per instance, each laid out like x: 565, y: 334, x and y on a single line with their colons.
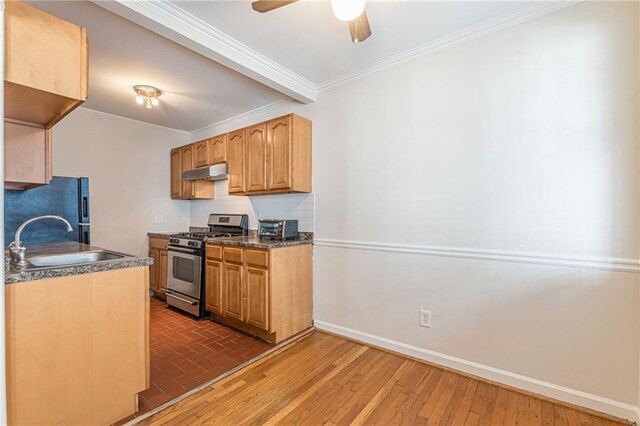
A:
x: 213, y: 280
x: 201, y: 153
x: 176, y: 173
x: 163, y: 270
x: 153, y: 269
x: 232, y: 278
x: 256, y: 164
x: 188, y: 189
x: 235, y: 160
x: 46, y: 65
x: 218, y: 149
x: 27, y: 155
x: 257, y: 297
x: 279, y: 142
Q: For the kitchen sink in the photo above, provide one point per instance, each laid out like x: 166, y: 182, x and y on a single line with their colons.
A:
x: 68, y: 259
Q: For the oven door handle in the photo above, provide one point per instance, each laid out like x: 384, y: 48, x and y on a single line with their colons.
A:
x: 192, y: 303
x: 183, y: 251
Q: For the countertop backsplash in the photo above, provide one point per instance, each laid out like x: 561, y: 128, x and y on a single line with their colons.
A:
x: 280, y: 206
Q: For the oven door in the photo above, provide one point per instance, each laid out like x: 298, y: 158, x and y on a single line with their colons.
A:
x: 185, y: 272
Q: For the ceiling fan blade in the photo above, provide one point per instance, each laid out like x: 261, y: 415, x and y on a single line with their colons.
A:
x: 359, y: 28
x: 263, y: 6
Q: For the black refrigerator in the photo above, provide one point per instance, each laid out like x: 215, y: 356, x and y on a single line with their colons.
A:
x: 63, y: 196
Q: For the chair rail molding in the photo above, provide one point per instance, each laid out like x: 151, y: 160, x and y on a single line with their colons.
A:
x: 604, y: 263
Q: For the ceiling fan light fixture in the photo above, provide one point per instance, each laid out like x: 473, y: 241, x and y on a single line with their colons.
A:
x: 147, y: 95
x: 347, y: 10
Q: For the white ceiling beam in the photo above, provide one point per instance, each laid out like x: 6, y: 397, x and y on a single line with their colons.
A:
x: 185, y: 29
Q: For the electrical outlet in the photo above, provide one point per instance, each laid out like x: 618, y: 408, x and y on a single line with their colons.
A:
x: 159, y: 219
x: 425, y: 318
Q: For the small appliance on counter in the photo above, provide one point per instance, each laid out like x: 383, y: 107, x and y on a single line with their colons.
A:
x: 278, y: 229
x: 63, y: 196
x: 186, y: 280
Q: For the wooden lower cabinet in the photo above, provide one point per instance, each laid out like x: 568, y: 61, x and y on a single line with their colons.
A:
x: 233, y: 283
x: 77, y: 347
x: 265, y: 292
x: 153, y: 269
x: 160, y: 268
x: 258, y: 297
x: 213, y: 279
x: 163, y: 271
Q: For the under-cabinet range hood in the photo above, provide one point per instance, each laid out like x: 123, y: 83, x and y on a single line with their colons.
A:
x: 215, y: 172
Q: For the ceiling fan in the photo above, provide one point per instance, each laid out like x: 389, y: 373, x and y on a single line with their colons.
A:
x: 351, y: 11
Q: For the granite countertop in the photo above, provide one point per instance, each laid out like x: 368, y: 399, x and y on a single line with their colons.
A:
x: 15, y: 276
x: 164, y: 235
x: 251, y: 240
x: 255, y: 242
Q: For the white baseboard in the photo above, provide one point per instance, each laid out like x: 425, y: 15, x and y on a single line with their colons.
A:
x: 549, y: 390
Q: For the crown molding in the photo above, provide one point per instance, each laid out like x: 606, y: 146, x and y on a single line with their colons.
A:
x: 131, y: 120
x: 466, y: 35
x: 172, y: 22
x: 195, y: 134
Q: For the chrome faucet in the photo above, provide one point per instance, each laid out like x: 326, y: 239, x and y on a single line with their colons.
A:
x: 17, y: 252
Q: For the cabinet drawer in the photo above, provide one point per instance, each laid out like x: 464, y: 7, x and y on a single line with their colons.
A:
x: 257, y: 258
x: 232, y: 254
x: 214, y: 252
x: 158, y: 243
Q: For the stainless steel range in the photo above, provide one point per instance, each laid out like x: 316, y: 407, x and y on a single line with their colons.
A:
x: 185, y: 282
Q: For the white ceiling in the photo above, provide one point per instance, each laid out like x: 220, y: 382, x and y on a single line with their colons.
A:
x: 295, y: 50
x: 198, y: 91
x: 307, y: 39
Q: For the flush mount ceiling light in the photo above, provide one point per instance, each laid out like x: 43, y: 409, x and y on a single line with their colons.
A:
x: 147, y: 95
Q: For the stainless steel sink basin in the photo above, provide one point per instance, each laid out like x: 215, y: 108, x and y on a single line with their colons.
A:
x: 68, y: 259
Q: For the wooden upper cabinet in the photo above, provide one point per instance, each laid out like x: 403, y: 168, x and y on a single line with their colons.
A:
x: 256, y: 162
x: 27, y: 155
x: 270, y: 157
x: 201, y: 153
x: 176, y: 173
x: 183, y: 159
x: 236, y: 161
x: 280, y: 138
x: 46, y: 65
x: 218, y: 149
x: 289, y: 141
x: 188, y: 187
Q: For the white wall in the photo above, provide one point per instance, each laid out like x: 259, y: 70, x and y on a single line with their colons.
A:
x: 282, y: 206
x: 495, y: 184
x: 127, y: 163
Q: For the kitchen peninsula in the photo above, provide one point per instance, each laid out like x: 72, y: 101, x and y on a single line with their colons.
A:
x: 77, y: 336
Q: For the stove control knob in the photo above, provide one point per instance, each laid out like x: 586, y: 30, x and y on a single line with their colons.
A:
x: 174, y: 241
x: 193, y: 244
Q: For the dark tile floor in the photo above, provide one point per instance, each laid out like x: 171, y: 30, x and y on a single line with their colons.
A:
x: 186, y: 352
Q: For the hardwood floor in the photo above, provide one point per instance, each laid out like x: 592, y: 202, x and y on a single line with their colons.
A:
x: 325, y: 379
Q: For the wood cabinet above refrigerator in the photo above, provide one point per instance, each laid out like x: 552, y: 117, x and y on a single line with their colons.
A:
x: 46, y: 65
x: 46, y: 77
